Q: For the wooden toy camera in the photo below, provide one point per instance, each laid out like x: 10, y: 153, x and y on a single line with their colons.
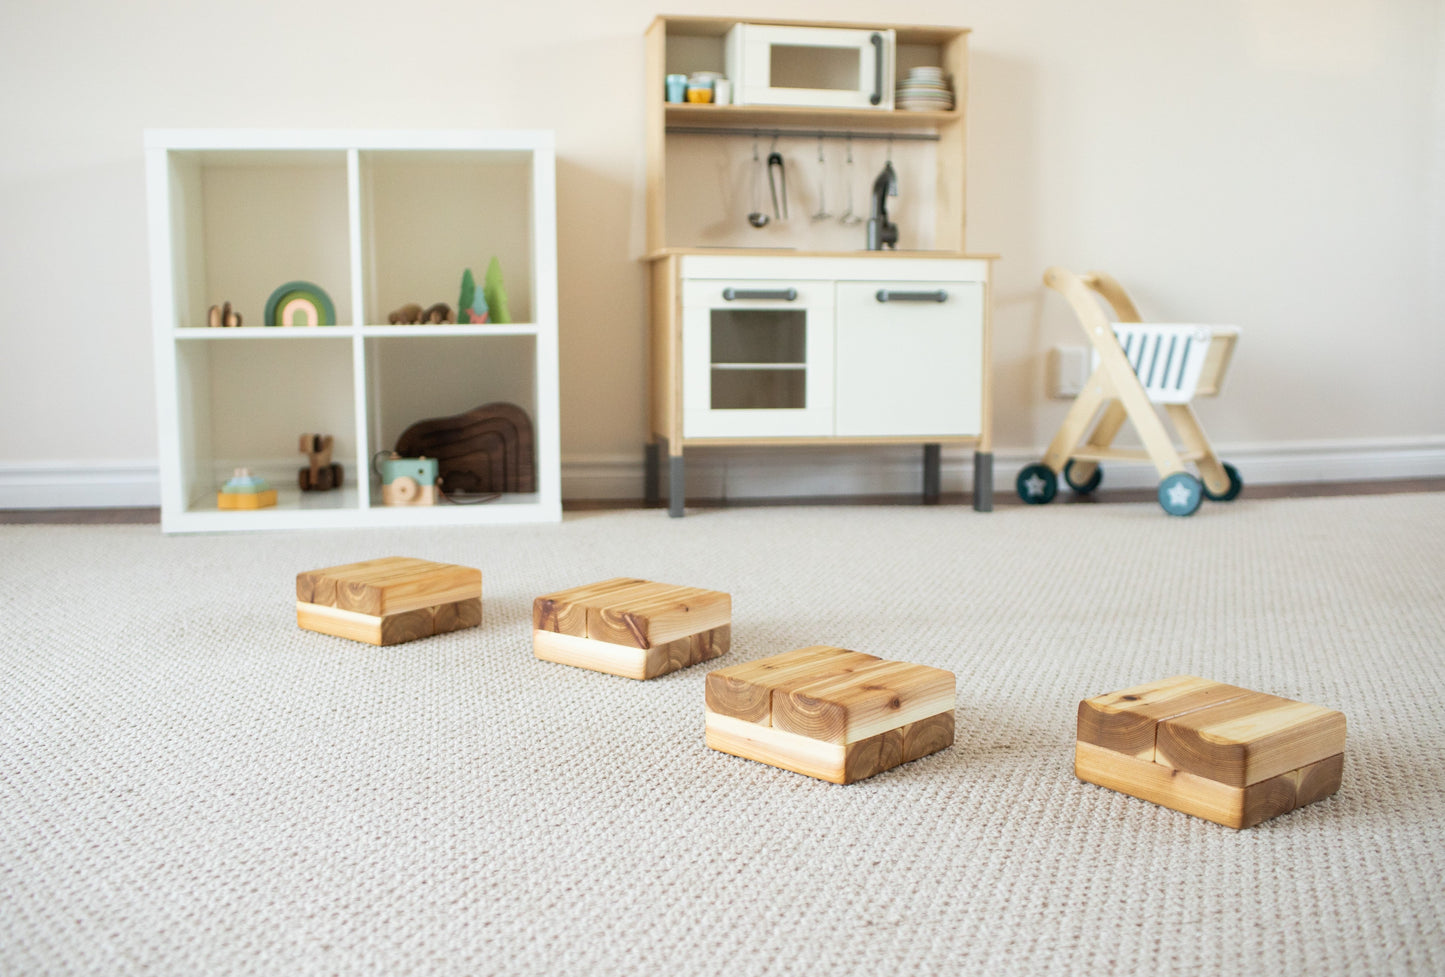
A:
x: 408, y: 481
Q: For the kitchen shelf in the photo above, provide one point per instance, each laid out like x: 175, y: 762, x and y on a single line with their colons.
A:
x: 377, y: 219
x: 803, y: 118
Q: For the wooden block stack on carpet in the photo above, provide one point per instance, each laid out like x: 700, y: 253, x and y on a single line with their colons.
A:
x: 1215, y: 751
x: 633, y: 628
x: 390, y: 600
x: 830, y: 713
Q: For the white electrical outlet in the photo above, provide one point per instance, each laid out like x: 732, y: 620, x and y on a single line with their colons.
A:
x: 1067, y: 371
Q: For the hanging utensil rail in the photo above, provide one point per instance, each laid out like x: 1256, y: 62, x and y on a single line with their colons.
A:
x: 769, y: 132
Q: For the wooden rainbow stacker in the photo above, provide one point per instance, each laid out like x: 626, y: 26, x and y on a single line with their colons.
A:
x: 1215, y: 751
x: 390, y: 600
x: 632, y: 628
x: 837, y: 715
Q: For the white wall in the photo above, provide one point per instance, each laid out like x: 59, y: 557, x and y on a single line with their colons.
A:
x: 1274, y: 163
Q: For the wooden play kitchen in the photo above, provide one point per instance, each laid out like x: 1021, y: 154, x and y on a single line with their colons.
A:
x: 1216, y: 751
x: 837, y: 715
x: 782, y: 324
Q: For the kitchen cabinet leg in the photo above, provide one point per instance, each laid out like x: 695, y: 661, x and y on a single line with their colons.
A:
x: 651, y: 476
x: 932, y: 463
x: 676, y: 487
x: 983, y: 481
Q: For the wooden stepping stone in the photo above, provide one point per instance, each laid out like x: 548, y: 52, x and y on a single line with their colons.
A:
x: 390, y: 600
x: 632, y: 628
x: 1215, y: 751
x: 830, y: 713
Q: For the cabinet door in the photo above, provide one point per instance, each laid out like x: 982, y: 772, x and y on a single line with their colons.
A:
x: 757, y: 359
x: 909, y: 358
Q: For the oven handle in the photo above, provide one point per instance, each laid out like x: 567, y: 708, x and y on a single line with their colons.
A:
x: 734, y: 294
x: 877, y: 96
x: 938, y: 295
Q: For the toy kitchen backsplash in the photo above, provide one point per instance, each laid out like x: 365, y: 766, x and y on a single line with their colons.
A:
x: 716, y: 187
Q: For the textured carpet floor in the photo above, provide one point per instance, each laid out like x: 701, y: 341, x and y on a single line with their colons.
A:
x: 191, y: 785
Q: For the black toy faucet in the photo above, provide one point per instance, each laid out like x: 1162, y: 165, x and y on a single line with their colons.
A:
x: 881, y: 233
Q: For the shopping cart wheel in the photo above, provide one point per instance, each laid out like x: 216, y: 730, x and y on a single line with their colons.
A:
x: 1083, y: 488
x: 1180, y: 494
x: 1235, y: 484
x: 1037, y: 484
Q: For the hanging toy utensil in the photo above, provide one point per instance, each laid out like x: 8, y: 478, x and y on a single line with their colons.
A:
x: 822, y: 213
x: 778, y: 179
x: 757, y: 218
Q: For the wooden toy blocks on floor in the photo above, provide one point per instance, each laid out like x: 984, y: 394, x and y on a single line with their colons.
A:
x: 1215, y: 751
x: 390, y: 600
x: 837, y: 715
x: 632, y: 628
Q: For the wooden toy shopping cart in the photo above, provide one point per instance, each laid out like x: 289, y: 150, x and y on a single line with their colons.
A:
x: 1136, y: 366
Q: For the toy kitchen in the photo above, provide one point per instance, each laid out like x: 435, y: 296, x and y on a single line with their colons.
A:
x: 809, y: 283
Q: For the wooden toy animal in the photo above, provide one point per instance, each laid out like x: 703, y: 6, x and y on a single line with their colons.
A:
x: 322, y: 474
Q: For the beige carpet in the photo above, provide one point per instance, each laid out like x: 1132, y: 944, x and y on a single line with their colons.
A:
x: 190, y: 785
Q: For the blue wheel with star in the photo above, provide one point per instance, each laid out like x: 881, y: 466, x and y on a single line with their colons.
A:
x: 1235, y: 485
x: 1180, y: 494
x: 1037, y: 484
x: 1083, y: 488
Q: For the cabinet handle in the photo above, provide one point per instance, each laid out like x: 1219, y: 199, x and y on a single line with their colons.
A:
x: 939, y: 295
x: 877, y: 96
x: 733, y: 294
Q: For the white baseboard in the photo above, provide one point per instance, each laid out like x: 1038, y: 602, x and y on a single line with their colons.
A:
x: 80, y: 485
x: 760, y: 473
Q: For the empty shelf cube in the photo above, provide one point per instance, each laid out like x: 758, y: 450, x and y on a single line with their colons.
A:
x: 390, y: 600
x: 1216, y: 751
x: 830, y: 713
x: 633, y: 628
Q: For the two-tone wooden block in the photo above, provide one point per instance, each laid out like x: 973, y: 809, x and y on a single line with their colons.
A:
x: 830, y: 713
x: 1215, y: 751
x: 633, y: 628
x: 390, y: 600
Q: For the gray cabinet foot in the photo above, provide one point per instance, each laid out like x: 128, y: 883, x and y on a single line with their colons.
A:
x: 652, y: 476
x: 932, y: 464
x: 676, y: 486
x: 983, y: 481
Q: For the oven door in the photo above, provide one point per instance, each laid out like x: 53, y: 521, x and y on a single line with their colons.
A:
x: 757, y: 359
x: 824, y: 67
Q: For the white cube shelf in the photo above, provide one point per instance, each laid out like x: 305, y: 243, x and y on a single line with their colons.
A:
x: 377, y: 219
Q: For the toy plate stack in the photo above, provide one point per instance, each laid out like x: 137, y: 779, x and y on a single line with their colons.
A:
x: 925, y: 90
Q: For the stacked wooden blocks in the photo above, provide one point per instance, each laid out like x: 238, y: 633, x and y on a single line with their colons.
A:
x: 1215, y: 751
x: 633, y: 628
x: 830, y: 713
x: 390, y: 600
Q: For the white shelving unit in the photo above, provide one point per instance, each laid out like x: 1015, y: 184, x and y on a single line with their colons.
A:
x: 377, y: 219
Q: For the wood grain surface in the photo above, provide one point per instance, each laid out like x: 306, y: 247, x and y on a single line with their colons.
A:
x: 1249, y: 739
x: 1233, y: 807
x: 864, y: 703
x: 631, y: 612
x: 745, y: 691
x: 833, y: 762
x: 389, y: 585
x: 627, y: 661
x: 391, y: 629
x: 1125, y: 721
